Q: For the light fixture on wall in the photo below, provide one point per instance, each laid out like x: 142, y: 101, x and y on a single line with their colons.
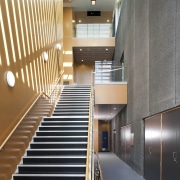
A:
x: 10, y: 79
x: 93, y: 2
x: 58, y: 46
x: 45, y: 56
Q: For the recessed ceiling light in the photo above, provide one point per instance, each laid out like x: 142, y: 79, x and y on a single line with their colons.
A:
x: 79, y: 21
x: 82, y: 60
x: 107, y: 20
x: 80, y: 49
x: 115, y: 108
x: 106, y: 49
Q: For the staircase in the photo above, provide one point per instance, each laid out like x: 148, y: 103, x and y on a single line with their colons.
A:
x: 16, y: 146
x: 59, y: 148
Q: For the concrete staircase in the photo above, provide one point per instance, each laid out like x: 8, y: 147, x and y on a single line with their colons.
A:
x: 59, y: 148
x: 16, y: 146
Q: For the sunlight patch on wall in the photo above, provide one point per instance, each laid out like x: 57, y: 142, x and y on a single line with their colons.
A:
x: 22, y: 31
x: 35, y: 76
x: 4, y: 38
x: 32, y: 77
x: 0, y: 61
x: 26, y: 27
x: 42, y: 75
x: 17, y: 75
x: 38, y: 74
x: 30, y: 26
x: 27, y: 76
x: 45, y: 29
x: 34, y: 28
x: 22, y: 75
x: 37, y: 25
x: 16, y: 29
x: 40, y: 26
x: 41, y: 17
x: 10, y: 31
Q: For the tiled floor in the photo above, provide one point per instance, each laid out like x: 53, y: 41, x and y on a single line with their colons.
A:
x: 114, y: 168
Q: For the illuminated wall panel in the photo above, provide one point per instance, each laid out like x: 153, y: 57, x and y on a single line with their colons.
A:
x: 28, y: 28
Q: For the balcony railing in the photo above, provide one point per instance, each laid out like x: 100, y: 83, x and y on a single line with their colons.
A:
x: 108, y: 72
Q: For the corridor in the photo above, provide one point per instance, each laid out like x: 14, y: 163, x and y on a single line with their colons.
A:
x: 114, y: 168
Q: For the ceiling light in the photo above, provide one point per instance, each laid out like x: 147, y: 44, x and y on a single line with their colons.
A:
x: 45, y: 56
x: 82, y: 60
x: 10, y: 79
x: 67, y: 64
x: 79, y: 21
x: 93, y: 2
x: 80, y: 49
x: 107, y: 20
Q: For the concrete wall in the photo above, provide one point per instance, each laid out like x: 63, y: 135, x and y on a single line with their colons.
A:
x: 149, y: 35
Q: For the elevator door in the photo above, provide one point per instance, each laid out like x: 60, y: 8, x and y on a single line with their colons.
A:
x: 170, y: 148
x: 152, y: 148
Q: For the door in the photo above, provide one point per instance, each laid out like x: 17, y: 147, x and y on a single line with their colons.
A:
x: 104, y: 141
x: 152, y: 148
x: 170, y: 148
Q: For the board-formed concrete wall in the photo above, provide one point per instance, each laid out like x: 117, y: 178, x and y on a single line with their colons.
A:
x: 149, y: 35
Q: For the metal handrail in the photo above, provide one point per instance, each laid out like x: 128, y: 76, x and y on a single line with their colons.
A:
x: 49, y: 96
x: 12, y: 131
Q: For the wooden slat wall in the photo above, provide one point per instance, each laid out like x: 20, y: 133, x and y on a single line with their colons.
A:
x: 27, y: 28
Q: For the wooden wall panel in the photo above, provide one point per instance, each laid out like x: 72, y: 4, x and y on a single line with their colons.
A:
x: 27, y: 28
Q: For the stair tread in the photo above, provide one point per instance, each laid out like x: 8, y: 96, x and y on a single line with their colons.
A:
x: 59, y: 142
x: 59, y: 157
x: 52, y: 175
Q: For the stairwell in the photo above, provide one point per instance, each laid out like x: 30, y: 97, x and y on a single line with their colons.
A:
x: 14, y: 149
x: 59, y: 148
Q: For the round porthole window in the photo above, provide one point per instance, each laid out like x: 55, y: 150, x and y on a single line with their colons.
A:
x: 10, y: 79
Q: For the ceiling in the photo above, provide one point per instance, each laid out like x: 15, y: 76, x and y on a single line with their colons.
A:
x: 85, y: 5
x: 90, y: 54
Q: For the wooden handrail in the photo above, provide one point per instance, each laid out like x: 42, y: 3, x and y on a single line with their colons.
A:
x: 12, y: 131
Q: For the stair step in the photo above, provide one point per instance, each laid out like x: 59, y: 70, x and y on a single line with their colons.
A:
x: 69, y: 113
x: 51, y: 169
x: 65, y: 118
x: 64, y: 127
x: 55, y: 123
x: 56, y: 152
x: 71, y: 110
x: 72, y: 106
x: 49, y: 176
x: 62, y: 133
x: 60, y: 139
x: 59, y: 145
x: 54, y: 160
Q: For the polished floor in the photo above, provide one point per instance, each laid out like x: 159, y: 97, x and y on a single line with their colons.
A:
x: 114, y: 168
